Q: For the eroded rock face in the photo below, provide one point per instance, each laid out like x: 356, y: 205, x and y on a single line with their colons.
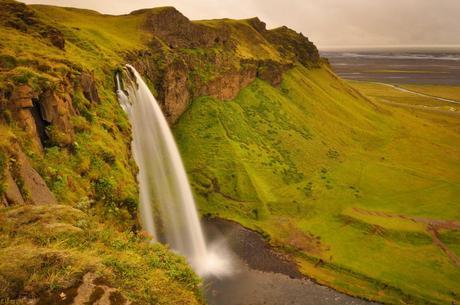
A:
x: 175, y: 90
x: 89, y: 87
x: 34, y: 188
x: 56, y: 108
x: 179, y: 32
x: 55, y: 37
x: 33, y: 112
x: 20, y: 105
x: 23, y: 183
x: 12, y: 195
x: 188, y: 59
x: 293, y: 45
x: 176, y: 86
x: 228, y: 85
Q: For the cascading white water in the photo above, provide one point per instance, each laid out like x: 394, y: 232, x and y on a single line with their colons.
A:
x: 167, y: 206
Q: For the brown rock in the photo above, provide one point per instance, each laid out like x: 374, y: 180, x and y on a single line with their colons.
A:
x: 55, y: 36
x: 88, y: 85
x: 175, y: 90
x: 34, y: 185
x: 17, y: 15
x: 12, y: 194
x: 293, y: 46
x: 271, y: 72
x: 258, y: 25
x: 179, y: 32
x: 3, y: 201
x: 228, y: 85
x: 57, y: 109
x: 20, y: 105
x: 22, y: 97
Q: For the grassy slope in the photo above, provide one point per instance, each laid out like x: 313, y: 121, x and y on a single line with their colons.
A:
x: 294, y: 162
x: 98, y: 171
x: 55, y: 245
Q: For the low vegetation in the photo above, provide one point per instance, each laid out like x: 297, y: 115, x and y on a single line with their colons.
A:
x: 358, y: 191
x: 340, y: 181
x: 47, y: 249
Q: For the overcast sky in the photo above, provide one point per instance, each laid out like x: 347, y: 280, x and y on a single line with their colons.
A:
x: 325, y: 22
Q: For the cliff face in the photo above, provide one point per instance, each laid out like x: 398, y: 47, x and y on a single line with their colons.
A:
x: 189, y: 59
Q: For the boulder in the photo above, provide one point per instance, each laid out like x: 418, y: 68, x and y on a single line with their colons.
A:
x: 35, y: 190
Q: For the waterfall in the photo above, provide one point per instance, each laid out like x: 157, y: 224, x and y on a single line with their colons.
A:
x: 167, y: 207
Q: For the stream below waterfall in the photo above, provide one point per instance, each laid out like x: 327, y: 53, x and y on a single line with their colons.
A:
x: 261, y: 276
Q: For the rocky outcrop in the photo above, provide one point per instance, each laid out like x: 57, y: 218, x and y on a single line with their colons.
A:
x: 22, y: 184
x: 294, y: 45
x: 55, y: 37
x: 291, y: 45
x: 188, y: 59
x: 56, y: 108
x: 228, y: 85
x: 17, y: 15
x: 12, y: 195
x: 34, y: 187
x: 272, y: 71
x: 20, y: 105
x: 33, y: 112
x: 179, y: 32
x: 89, y: 87
x: 176, y: 83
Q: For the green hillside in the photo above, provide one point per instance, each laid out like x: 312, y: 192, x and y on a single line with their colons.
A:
x: 346, y: 185
x: 362, y: 194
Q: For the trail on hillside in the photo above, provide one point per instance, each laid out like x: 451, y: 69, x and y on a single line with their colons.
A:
x: 419, y: 93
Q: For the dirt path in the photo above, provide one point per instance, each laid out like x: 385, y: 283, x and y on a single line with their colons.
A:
x: 420, y: 94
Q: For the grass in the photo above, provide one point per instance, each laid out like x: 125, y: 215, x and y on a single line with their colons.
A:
x: 384, y: 93
x: 46, y: 249
x: 49, y: 248
x: 449, y: 92
x: 295, y: 162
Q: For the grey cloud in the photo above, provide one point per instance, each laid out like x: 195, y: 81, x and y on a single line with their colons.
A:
x: 326, y: 22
